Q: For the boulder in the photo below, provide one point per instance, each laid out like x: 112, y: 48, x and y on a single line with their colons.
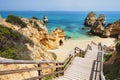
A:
x: 90, y: 19
x: 45, y: 19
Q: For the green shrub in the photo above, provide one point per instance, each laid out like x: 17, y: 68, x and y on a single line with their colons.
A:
x: 12, y: 44
x: 9, y: 53
x: 35, y: 18
x: 15, y: 20
x: 36, y: 25
x: 30, y: 21
x: 54, y: 55
x: 118, y: 47
x: 112, y: 71
x: 107, y: 56
x: 49, y: 77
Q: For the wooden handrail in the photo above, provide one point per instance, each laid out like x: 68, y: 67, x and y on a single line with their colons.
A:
x: 97, y: 70
x: 60, y: 66
x: 27, y: 62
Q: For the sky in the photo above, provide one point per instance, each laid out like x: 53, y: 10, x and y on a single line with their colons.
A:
x: 60, y: 5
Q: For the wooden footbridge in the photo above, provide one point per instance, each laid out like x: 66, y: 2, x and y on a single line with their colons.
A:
x: 79, y: 65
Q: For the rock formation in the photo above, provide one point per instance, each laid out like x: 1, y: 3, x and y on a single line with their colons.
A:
x: 54, y: 39
x: 45, y: 19
x: 102, y: 19
x: 97, y: 28
x: 37, y: 32
x: 29, y: 42
x: 97, y: 24
x: 112, y: 66
x: 113, y: 29
x: 90, y: 19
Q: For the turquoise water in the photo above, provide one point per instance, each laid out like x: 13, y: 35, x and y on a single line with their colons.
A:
x: 71, y: 22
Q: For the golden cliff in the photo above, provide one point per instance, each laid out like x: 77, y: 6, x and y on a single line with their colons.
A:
x: 27, y: 39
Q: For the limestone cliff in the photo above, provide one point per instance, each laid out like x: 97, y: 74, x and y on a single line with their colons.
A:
x: 22, y: 38
x: 113, y: 29
x: 90, y: 19
x: 54, y: 39
x: 36, y: 32
x: 112, y: 66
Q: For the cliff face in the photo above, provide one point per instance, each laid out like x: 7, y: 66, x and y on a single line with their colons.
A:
x: 36, y: 32
x: 90, y: 19
x: 113, y: 29
x: 22, y: 38
x: 54, y: 39
x: 112, y: 66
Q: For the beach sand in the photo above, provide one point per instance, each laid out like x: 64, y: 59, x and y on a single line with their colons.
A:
x: 64, y: 50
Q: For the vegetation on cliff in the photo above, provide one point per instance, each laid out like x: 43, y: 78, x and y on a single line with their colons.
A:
x: 30, y: 42
x: 15, y: 20
x: 35, y: 18
x: 12, y: 44
x: 118, y: 47
x: 113, y: 29
x: 112, y: 69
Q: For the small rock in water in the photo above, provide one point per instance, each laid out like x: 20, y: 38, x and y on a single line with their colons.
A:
x: 45, y: 19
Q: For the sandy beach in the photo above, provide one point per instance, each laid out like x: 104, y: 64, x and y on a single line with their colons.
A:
x: 65, y: 49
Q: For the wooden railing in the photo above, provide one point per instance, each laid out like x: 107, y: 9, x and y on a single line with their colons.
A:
x: 97, y: 68
x: 59, y: 66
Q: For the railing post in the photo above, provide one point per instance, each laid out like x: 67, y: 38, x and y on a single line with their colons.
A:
x: 39, y: 71
x: 63, y: 69
x: 57, y: 70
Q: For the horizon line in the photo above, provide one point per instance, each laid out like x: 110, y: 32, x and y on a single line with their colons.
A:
x: 66, y: 10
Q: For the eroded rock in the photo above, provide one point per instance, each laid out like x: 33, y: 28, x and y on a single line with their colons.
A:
x: 90, y: 19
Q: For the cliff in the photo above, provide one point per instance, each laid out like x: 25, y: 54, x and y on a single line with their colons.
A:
x: 33, y: 30
x: 112, y: 66
x: 26, y: 39
x: 112, y: 29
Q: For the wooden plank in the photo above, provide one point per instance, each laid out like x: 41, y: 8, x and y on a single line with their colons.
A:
x: 26, y: 70
x: 27, y: 62
x: 37, y: 77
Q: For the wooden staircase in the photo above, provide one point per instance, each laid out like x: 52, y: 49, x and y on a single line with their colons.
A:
x: 80, y: 68
x: 87, y: 67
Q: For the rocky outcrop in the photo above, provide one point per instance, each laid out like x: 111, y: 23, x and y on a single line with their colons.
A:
x: 96, y: 24
x: 102, y: 19
x: 113, y: 29
x: 37, y: 32
x: 90, y: 19
x: 59, y: 34
x: 45, y: 19
x: 112, y: 66
x: 97, y: 28
x: 54, y: 39
x: 30, y: 42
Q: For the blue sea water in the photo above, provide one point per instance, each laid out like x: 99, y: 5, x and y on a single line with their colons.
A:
x: 70, y: 21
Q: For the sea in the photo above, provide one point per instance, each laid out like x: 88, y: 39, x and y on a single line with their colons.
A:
x: 72, y: 22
